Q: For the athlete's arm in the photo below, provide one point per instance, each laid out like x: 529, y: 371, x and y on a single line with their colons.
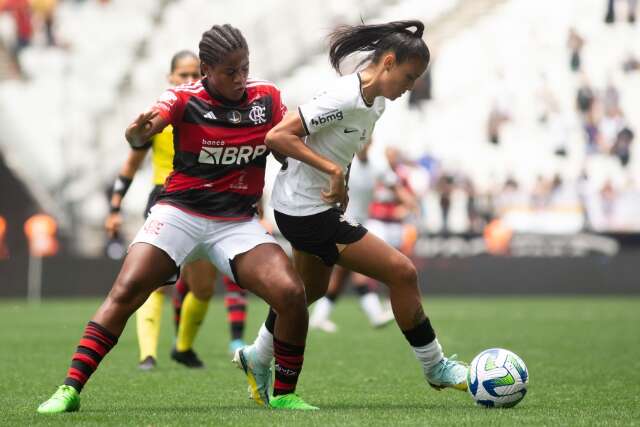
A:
x: 286, y: 139
x: 144, y: 127
x: 125, y: 177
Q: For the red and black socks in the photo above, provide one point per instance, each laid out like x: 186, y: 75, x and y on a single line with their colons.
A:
x: 94, y: 345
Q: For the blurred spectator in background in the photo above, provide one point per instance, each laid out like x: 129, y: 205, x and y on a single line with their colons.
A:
x: 20, y: 10
x: 608, y: 197
x: 540, y: 193
x: 44, y: 13
x: 575, y: 42
x: 622, y: 146
x: 610, y: 17
x: 584, y: 97
x: 445, y: 186
x: 497, y: 117
x: 630, y: 64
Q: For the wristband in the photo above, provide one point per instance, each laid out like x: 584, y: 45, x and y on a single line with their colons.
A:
x: 121, y: 185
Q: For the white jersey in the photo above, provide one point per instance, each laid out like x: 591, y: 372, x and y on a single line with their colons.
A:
x: 362, y: 180
x: 338, y: 123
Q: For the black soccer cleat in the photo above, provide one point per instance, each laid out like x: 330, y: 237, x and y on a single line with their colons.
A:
x: 188, y: 358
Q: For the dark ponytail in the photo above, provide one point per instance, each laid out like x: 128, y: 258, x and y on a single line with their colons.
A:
x: 377, y: 39
x: 220, y: 41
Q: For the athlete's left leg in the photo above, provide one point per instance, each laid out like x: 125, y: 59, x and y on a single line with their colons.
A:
x: 374, y: 258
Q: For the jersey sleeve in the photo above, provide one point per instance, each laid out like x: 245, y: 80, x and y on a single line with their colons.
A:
x: 326, y: 109
x: 168, y: 105
x: 279, y: 107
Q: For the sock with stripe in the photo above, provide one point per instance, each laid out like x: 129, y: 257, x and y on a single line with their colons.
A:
x: 236, y: 302
x: 288, y: 365
x: 148, y: 325
x: 94, y: 345
x: 191, y: 317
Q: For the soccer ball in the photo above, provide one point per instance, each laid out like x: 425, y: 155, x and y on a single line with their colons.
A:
x: 497, y: 378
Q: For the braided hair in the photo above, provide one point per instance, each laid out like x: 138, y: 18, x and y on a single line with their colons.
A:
x: 220, y: 41
x: 377, y: 39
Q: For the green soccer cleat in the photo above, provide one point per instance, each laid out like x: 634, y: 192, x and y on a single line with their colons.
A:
x: 291, y: 401
x: 258, y: 375
x: 65, y: 399
x: 448, y: 373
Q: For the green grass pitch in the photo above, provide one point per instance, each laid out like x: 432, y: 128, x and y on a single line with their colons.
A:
x: 582, y: 355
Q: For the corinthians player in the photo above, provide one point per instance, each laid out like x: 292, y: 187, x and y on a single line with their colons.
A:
x: 320, y: 140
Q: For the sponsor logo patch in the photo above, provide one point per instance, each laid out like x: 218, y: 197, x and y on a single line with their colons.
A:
x: 331, y: 116
x: 230, y: 155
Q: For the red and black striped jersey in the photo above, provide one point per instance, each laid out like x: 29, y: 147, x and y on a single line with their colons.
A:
x: 220, y: 154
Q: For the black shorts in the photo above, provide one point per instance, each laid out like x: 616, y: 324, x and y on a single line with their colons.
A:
x: 153, y: 196
x: 320, y: 233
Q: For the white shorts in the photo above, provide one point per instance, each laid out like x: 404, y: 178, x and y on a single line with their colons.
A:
x: 390, y: 232
x: 186, y: 237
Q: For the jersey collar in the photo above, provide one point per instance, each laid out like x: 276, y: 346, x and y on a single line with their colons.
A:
x: 362, y: 93
x: 222, y: 99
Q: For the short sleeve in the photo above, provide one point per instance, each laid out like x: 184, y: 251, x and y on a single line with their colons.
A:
x: 279, y: 107
x: 168, y: 105
x: 324, y: 110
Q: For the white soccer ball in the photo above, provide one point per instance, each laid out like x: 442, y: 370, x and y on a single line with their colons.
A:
x: 497, y: 378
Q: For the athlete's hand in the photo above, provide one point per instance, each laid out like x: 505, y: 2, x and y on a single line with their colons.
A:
x: 137, y: 133
x: 337, y: 188
x: 113, y: 223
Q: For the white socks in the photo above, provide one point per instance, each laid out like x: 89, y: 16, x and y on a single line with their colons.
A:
x: 429, y: 355
x: 370, y: 303
x: 263, y: 346
x: 321, y: 311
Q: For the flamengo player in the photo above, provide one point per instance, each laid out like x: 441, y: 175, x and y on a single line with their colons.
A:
x: 207, y: 210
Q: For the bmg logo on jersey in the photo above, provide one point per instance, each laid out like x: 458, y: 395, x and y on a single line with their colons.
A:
x: 231, y: 155
x: 327, y: 117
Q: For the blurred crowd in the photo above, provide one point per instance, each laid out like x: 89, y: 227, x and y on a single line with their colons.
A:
x: 33, y: 22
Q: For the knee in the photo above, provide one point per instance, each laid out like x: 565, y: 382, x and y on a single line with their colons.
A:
x: 127, y: 290
x: 291, y: 297
x: 404, y: 271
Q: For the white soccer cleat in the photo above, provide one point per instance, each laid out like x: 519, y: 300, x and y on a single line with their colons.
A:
x: 385, y: 318
x: 324, y: 325
x: 258, y: 375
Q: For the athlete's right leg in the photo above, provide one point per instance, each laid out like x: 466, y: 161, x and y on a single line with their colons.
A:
x: 145, y: 268
x: 199, y: 276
